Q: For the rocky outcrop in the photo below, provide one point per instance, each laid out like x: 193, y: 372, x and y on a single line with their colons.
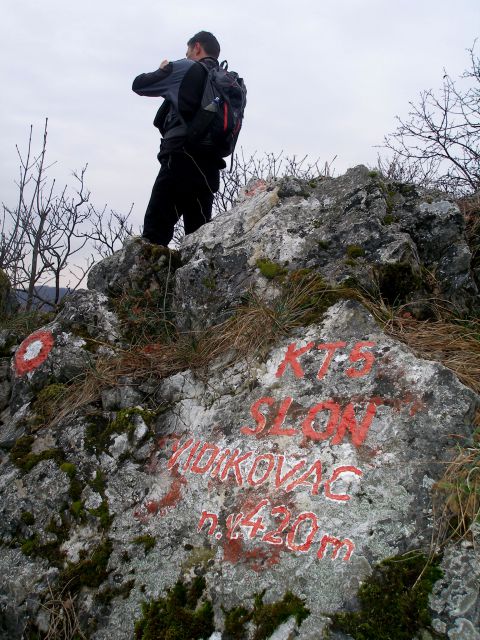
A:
x: 409, y: 246
x: 291, y: 469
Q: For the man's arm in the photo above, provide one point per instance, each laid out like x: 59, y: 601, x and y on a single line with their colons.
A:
x: 154, y: 83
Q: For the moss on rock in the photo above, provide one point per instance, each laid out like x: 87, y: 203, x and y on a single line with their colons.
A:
x: 88, y: 572
x: 100, y: 430
x: 269, y: 269
x: 147, y: 541
x: 179, y: 615
x: 106, y: 595
x: 21, y: 454
x: 393, y: 600
x: 354, y: 251
x: 397, y: 281
x: 265, y: 617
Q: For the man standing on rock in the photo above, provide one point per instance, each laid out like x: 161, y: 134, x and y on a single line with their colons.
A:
x: 189, y: 173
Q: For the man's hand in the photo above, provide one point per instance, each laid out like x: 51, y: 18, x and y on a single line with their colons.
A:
x: 163, y: 64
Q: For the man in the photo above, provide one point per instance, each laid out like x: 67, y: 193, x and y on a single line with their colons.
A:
x: 189, y: 174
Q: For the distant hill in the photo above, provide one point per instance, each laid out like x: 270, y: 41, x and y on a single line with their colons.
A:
x: 47, y: 293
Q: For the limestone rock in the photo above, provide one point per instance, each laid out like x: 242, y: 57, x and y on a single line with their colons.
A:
x: 63, y: 350
x: 386, y: 236
x: 138, y: 265
x: 455, y: 596
x: 295, y: 469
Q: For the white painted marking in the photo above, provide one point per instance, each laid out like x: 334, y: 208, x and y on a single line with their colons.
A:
x: 33, y: 350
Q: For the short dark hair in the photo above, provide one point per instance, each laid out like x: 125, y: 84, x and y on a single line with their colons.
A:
x: 208, y: 42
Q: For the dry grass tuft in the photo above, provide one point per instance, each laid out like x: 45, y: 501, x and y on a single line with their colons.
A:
x: 454, y: 343
x: 456, y: 497
x: 249, y: 332
x: 63, y: 623
x: 448, y: 339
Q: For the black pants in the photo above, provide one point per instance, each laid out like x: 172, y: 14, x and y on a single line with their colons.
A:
x: 185, y: 186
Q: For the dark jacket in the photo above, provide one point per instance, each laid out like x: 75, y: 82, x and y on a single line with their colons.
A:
x: 181, y: 83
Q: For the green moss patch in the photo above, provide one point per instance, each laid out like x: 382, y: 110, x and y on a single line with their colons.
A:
x: 354, y: 251
x: 269, y: 269
x: 88, y: 572
x: 27, y: 518
x: 393, y: 600
x: 99, y: 431
x: 77, y: 510
x: 179, y: 615
x: 388, y: 219
x: 265, y: 617
x: 21, y: 454
x: 98, y: 482
x: 50, y: 550
x: 147, y: 541
x: 106, y: 595
x: 153, y: 252
x: 102, y: 512
x: 209, y: 282
x: 235, y: 621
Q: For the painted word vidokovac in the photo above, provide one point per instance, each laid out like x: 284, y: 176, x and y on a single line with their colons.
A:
x: 250, y: 469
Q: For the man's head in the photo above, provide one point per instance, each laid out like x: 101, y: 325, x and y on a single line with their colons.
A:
x: 202, y: 45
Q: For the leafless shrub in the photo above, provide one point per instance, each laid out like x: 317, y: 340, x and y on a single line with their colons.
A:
x: 108, y: 231
x: 47, y: 230
x: 438, y: 145
x: 269, y: 166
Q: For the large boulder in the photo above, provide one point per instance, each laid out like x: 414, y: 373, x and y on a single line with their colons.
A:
x: 284, y: 474
x: 62, y: 351
x: 387, y: 237
x: 299, y: 472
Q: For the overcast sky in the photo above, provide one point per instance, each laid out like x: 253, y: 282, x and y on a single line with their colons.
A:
x: 324, y: 77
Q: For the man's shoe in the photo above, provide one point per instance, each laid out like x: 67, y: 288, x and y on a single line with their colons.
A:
x: 147, y: 239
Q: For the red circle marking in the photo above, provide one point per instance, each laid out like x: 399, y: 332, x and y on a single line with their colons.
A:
x: 27, y: 358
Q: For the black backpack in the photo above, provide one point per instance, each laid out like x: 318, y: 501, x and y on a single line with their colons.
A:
x: 219, y: 119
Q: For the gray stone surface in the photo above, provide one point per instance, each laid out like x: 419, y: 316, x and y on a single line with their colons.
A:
x: 84, y: 327
x: 455, y: 598
x: 138, y: 265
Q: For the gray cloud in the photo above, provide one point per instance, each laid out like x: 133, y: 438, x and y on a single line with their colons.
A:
x: 324, y: 78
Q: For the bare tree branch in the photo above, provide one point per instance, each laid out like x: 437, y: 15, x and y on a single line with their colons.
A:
x: 438, y: 144
x: 49, y: 229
